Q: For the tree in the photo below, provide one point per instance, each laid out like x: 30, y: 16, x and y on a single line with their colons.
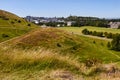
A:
x: 85, y: 31
x: 109, y: 45
x: 116, y: 42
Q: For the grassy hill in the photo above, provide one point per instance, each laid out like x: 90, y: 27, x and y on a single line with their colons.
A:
x: 67, y: 43
x: 44, y: 52
x: 48, y: 52
x: 93, y: 45
x: 11, y: 25
x: 51, y: 54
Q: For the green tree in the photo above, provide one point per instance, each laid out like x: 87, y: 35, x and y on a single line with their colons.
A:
x: 116, y: 42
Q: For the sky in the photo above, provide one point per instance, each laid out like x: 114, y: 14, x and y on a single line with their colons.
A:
x: 63, y: 8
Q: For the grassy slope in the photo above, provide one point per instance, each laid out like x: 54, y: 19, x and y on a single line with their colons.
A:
x: 33, y: 62
x: 12, y: 29
x: 66, y: 43
x: 99, y: 49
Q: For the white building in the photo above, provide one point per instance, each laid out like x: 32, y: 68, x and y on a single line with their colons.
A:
x: 115, y: 25
x: 69, y: 23
x: 36, y: 21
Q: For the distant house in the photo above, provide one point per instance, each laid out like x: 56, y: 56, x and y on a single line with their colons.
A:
x: 115, y: 25
x: 44, y: 26
x: 69, y: 23
x: 36, y: 21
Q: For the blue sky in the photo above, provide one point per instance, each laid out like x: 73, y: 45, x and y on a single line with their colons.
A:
x: 52, y: 8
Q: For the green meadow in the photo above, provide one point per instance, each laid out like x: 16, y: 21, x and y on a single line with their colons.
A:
x: 90, y: 28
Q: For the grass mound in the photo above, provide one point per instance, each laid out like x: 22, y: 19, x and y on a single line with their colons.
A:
x: 49, y: 38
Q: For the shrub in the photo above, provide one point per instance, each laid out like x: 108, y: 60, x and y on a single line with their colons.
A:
x: 29, y: 25
x: 58, y: 45
x: 5, y: 35
x: 94, y: 33
x: 109, y: 45
x: 12, y: 22
x: 94, y: 42
x: 19, y: 21
x: 85, y: 31
x: 92, y: 62
x: 116, y: 42
x: 109, y: 35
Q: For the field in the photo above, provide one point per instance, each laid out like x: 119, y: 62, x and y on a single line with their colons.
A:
x: 28, y: 52
x: 46, y: 60
x: 90, y: 28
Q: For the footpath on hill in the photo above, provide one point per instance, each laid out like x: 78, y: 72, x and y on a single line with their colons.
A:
x: 102, y: 38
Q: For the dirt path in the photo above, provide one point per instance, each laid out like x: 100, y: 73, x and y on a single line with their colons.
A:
x: 8, y: 40
x: 102, y: 38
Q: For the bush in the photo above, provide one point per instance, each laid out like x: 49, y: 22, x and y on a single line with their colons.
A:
x: 109, y: 45
x: 58, y: 45
x: 92, y: 62
x: 115, y: 44
x: 29, y: 25
x: 5, y: 35
x: 12, y: 22
x: 94, y: 33
x: 19, y: 21
x: 109, y: 35
x: 85, y: 31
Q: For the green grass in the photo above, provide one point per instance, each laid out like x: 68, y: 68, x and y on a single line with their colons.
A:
x: 48, y: 49
x: 68, y: 44
x: 13, y: 29
x: 90, y: 28
x: 98, y: 50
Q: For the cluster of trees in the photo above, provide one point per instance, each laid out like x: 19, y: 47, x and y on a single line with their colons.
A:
x: 88, y: 21
x: 53, y: 24
x: 114, y: 44
x: 99, y: 34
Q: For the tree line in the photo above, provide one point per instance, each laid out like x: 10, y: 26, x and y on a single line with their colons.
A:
x: 114, y: 44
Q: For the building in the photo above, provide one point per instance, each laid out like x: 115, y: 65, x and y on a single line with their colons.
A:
x: 114, y: 25
x: 69, y: 23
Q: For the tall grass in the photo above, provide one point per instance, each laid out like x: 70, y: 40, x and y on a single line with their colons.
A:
x: 22, y: 62
x: 40, y: 59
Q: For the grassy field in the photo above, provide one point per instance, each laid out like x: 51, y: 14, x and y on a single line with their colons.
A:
x: 90, y: 28
x: 53, y: 54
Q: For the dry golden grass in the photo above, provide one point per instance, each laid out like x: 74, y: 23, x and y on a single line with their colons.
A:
x: 14, y: 57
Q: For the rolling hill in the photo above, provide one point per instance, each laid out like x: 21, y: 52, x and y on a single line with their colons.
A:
x: 48, y: 50
x: 11, y: 25
x: 67, y: 44
x: 52, y: 54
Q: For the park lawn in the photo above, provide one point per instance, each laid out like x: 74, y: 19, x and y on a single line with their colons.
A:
x: 90, y: 28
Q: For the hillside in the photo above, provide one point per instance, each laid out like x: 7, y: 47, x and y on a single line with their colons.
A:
x: 27, y: 53
x: 67, y: 44
x: 11, y: 25
x: 49, y: 53
x: 49, y: 38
